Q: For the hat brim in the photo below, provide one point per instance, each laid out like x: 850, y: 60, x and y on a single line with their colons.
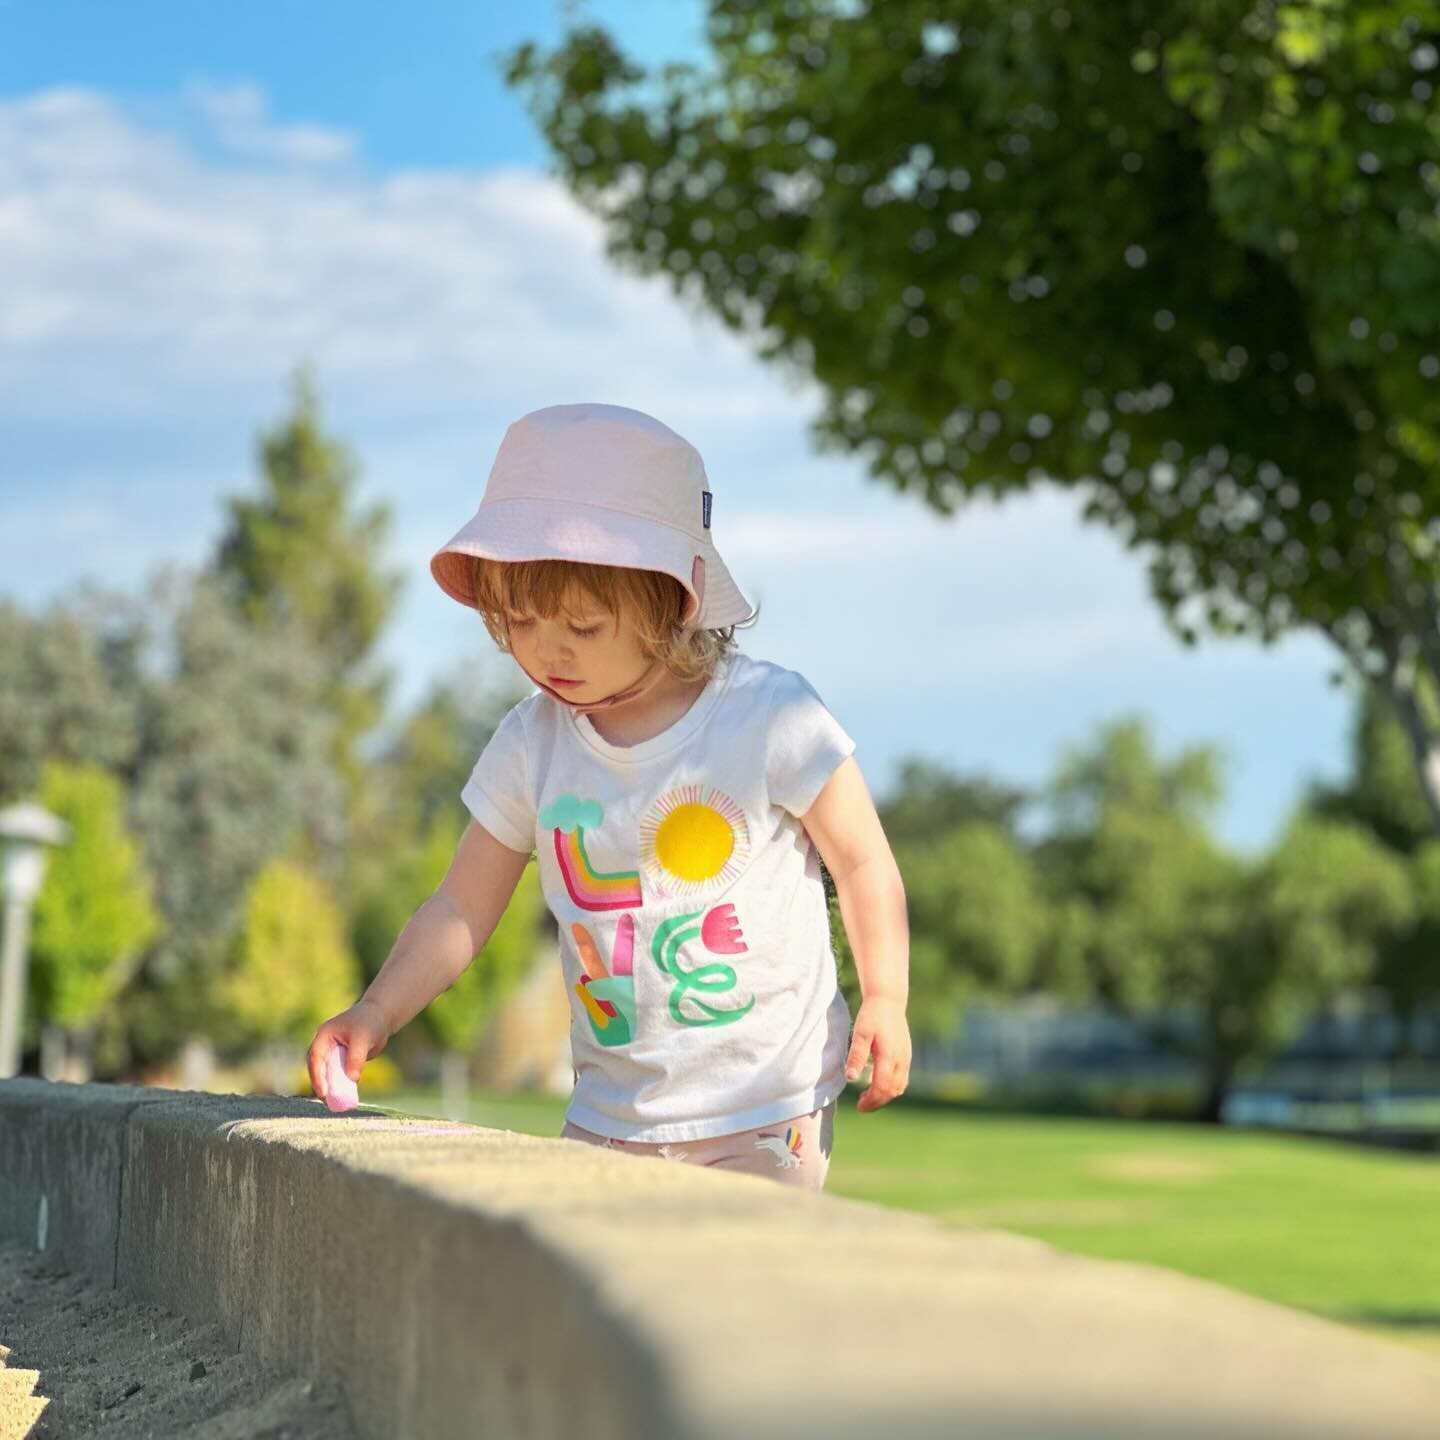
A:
x: 534, y: 529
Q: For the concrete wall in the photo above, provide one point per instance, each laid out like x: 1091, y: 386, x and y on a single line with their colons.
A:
x: 460, y: 1281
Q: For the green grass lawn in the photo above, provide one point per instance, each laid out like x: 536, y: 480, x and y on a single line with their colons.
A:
x: 1349, y: 1233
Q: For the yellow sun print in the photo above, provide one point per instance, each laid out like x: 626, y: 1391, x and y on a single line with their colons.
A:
x: 693, y: 838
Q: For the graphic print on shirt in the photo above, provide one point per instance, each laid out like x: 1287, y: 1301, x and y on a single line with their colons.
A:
x: 608, y: 995
x: 719, y: 931
x: 786, y: 1151
x: 692, y: 839
x: 591, y: 889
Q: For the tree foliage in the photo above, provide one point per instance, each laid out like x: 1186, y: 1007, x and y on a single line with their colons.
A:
x: 1381, y: 790
x: 95, y: 914
x: 1181, y: 257
x: 296, y: 556
x: 1216, y: 958
x: 975, y: 918
x: 291, y: 966
x: 928, y: 798
x: 222, y: 741
x: 69, y: 690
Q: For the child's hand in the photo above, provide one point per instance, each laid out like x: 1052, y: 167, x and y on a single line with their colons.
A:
x: 880, y: 1027
x: 362, y: 1029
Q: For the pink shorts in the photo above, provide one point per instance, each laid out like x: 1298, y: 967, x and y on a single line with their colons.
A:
x: 794, y: 1152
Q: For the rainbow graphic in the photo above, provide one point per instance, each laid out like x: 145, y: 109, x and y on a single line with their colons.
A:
x: 786, y: 1151
x: 589, y: 888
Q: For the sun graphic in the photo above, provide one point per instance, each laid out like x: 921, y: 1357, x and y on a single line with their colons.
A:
x: 692, y: 838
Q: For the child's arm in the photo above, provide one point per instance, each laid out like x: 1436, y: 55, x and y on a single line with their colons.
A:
x: 442, y: 937
x: 847, y: 832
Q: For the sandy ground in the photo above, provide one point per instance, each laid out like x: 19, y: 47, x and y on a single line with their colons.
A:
x: 77, y: 1360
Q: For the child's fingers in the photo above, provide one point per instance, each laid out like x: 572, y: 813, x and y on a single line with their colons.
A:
x: 319, y: 1052
x: 888, y: 1081
x: 859, y: 1052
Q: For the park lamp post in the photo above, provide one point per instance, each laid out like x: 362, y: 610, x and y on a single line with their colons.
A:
x: 25, y: 831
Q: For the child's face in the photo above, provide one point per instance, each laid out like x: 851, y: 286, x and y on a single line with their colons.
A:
x: 583, y: 652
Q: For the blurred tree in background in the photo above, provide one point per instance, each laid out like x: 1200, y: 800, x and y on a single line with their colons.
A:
x: 296, y: 555
x: 927, y: 799
x: 1180, y: 257
x: 976, y: 917
x: 1408, y: 973
x: 227, y: 706
x: 221, y: 738
x: 69, y: 690
x: 234, y: 770
x: 1382, y: 791
x: 95, y: 914
x: 291, y: 965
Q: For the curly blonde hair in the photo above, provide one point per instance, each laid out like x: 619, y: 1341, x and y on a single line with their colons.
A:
x: 653, y: 602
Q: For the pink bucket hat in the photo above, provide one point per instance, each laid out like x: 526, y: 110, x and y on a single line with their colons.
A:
x: 605, y: 485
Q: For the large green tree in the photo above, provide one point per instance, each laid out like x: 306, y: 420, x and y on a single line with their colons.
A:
x: 1182, y: 257
x: 1216, y: 958
x: 298, y: 555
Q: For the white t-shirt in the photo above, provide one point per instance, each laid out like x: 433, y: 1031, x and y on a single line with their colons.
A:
x: 693, y: 928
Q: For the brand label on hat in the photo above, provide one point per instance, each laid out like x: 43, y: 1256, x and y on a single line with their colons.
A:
x: 705, y: 498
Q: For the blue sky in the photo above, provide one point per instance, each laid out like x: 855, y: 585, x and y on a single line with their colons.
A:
x: 194, y: 198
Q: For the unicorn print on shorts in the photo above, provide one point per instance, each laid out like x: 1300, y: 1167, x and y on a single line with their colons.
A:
x: 786, y: 1151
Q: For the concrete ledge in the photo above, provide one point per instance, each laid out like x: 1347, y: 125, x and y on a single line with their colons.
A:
x: 459, y: 1281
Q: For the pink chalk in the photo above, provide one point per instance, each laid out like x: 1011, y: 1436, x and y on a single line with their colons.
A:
x: 340, y: 1090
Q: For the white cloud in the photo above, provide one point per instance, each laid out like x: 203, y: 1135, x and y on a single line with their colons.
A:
x: 409, y: 290
x: 237, y: 115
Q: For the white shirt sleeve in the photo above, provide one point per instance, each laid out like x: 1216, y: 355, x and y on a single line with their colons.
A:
x: 805, y: 746
x: 498, y: 793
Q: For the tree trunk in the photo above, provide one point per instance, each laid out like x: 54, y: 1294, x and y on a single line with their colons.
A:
x: 1219, y: 1072
x: 1424, y: 742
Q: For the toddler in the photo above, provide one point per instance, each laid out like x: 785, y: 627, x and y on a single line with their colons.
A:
x: 675, y: 792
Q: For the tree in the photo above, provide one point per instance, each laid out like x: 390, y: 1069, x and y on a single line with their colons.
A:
x: 1409, y: 969
x: 929, y: 799
x: 291, y: 967
x: 95, y: 915
x: 234, y: 767
x: 1179, y: 257
x: 221, y: 740
x: 975, y: 920
x: 1382, y: 791
x: 69, y: 689
x: 1333, y: 905
x: 1210, y: 956
x: 296, y: 555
